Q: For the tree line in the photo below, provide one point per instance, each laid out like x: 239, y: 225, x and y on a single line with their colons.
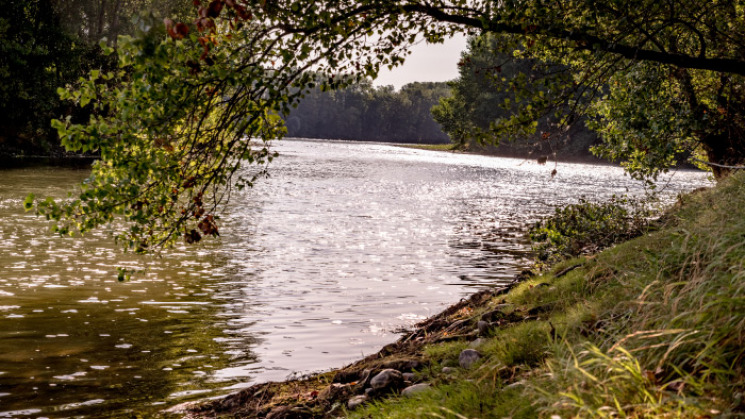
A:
x: 363, y: 112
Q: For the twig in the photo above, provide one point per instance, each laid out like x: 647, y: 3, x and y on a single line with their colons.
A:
x: 718, y: 165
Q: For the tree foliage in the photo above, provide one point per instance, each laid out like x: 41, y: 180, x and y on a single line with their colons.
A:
x: 588, y: 227
x: 362, y: 112
x: 191, y: 96
x: 483, y: 96
x: 45, y: 44
x: 36, y: 57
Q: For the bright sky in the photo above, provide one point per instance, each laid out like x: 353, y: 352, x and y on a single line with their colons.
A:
x: 427, y: 62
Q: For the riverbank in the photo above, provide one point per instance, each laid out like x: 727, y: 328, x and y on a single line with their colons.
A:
x: 515, y: 153
x: 71, y: 161
x: 653, y: 327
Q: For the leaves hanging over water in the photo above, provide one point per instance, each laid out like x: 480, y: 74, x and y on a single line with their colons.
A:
x: 190, y: 113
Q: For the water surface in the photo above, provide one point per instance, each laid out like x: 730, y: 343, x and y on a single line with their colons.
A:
x: 344, y: 245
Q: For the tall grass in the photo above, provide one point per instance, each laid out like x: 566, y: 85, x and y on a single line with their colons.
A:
x: 680, y: 351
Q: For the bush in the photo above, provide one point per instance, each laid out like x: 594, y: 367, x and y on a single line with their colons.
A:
x: 587, y: 227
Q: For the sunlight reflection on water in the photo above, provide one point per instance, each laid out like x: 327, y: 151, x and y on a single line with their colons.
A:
x: 321, y: 263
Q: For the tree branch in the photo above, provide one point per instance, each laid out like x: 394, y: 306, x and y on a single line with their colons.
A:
x: 588, y: 42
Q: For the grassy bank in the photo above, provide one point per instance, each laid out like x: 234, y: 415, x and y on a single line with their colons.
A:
x: 653, y: 327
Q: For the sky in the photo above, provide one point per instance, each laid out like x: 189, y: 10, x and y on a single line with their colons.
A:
x: 427, y: 62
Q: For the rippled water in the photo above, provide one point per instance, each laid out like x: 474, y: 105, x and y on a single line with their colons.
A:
x: 323, y: 262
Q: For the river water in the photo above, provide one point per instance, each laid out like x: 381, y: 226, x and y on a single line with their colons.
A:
x: 327, y: 260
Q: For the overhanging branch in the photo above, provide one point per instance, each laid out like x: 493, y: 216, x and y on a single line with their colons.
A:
x: 588, y: 42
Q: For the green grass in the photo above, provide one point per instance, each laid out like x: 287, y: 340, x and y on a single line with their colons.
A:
x: 653, y: 327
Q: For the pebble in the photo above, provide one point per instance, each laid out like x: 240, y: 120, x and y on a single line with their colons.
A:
x: 356, y: 401
x: 468, y: 357
x: 416, y: 388
x: 448, y: 370
x: 389, y: 378
x: 409, y: 376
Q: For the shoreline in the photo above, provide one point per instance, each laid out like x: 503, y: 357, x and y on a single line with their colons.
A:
x: 622, y: 332
x: 329, y: 393
x: 72, y: 161
x: 506, y: 153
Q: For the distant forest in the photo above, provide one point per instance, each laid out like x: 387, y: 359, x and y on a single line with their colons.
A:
x: 364, y: 112
x: 465, y: 105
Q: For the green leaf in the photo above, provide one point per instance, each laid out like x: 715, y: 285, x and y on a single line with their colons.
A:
x: 28, y: 203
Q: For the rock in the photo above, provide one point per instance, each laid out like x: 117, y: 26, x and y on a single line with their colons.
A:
x: 468, y: 357
x: 387, y: 379
x: 356, y: 401
x: 484, y: 327
x: 448, y: 370
x: 416, y: 388
x: 409, y: 376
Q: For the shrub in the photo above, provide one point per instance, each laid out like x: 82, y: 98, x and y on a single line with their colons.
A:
x: 587, y: 227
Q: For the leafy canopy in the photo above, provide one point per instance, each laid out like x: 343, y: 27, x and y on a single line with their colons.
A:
x: 194, y: 102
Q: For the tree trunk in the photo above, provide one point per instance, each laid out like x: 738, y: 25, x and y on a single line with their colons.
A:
x: 115, y: 22
x: 724, y: 150
x: 100, y: 23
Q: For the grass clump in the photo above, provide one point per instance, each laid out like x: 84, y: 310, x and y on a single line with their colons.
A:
x: 651, y: 327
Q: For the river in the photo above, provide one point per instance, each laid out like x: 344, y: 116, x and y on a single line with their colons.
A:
x: 343, y: 246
